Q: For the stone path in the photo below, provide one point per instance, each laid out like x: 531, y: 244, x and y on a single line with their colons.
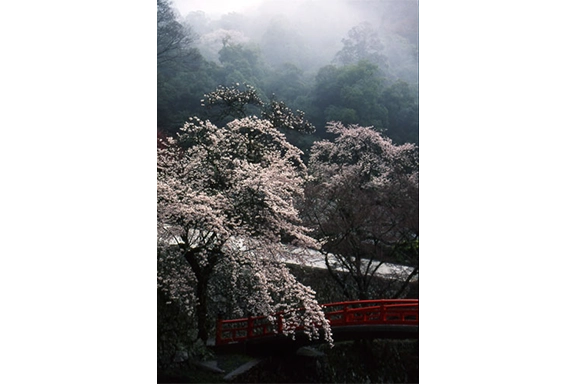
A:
x: 211, y: 366
x: 241, y: 369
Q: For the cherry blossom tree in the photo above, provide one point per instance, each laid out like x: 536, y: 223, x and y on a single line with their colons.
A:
x: 226, y: 209
x: 362, y: 201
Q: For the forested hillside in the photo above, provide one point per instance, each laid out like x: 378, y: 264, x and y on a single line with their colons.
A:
x: 351, y: 61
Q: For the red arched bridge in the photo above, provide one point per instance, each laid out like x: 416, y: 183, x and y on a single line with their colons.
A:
x: 365, y: 319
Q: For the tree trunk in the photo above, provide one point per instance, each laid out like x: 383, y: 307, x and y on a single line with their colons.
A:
x: 202, y: 277
x: 202, y: 307
x: 405, y: 284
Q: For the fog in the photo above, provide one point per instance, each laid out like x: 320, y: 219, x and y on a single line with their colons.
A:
x: 354, y: 61
x: 306, y: 33
x: 216, y: 7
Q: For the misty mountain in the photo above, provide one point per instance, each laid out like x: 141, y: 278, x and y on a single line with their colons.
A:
x: 310, y: 33
x: 355, y: 61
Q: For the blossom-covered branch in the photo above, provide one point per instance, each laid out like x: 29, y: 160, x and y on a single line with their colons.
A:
x: 231, y: 101
x: 234, y: 102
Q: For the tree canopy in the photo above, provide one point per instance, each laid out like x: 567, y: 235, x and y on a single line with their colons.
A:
x: 226, y: 197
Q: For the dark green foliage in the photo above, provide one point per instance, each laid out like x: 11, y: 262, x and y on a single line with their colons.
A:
x: 401, y: 101
x: 352, y: 94
x: 242, y: 64
x: 361, y: 94
x: 179, y: 91
x: 288, y: 82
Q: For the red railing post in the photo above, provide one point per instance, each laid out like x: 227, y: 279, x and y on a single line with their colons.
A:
x: 250, y: 323
x: 382, y: 312
x: 345, y: 313
x: 219, y: 330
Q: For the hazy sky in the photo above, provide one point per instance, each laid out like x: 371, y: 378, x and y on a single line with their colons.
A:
x: 215, y: 6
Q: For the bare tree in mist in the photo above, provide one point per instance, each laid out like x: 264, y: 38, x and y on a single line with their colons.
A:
x: 173, y: 38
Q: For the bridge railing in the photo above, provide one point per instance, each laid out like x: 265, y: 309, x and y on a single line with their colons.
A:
x: 401, y: 311
x: 237, y: 330
x: 387, y: 311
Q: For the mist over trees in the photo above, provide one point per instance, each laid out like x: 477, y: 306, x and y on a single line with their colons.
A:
x: 351, y: 61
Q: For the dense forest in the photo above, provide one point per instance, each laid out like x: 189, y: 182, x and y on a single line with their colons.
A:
x: 349, y: 61
x: 286, y: 133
